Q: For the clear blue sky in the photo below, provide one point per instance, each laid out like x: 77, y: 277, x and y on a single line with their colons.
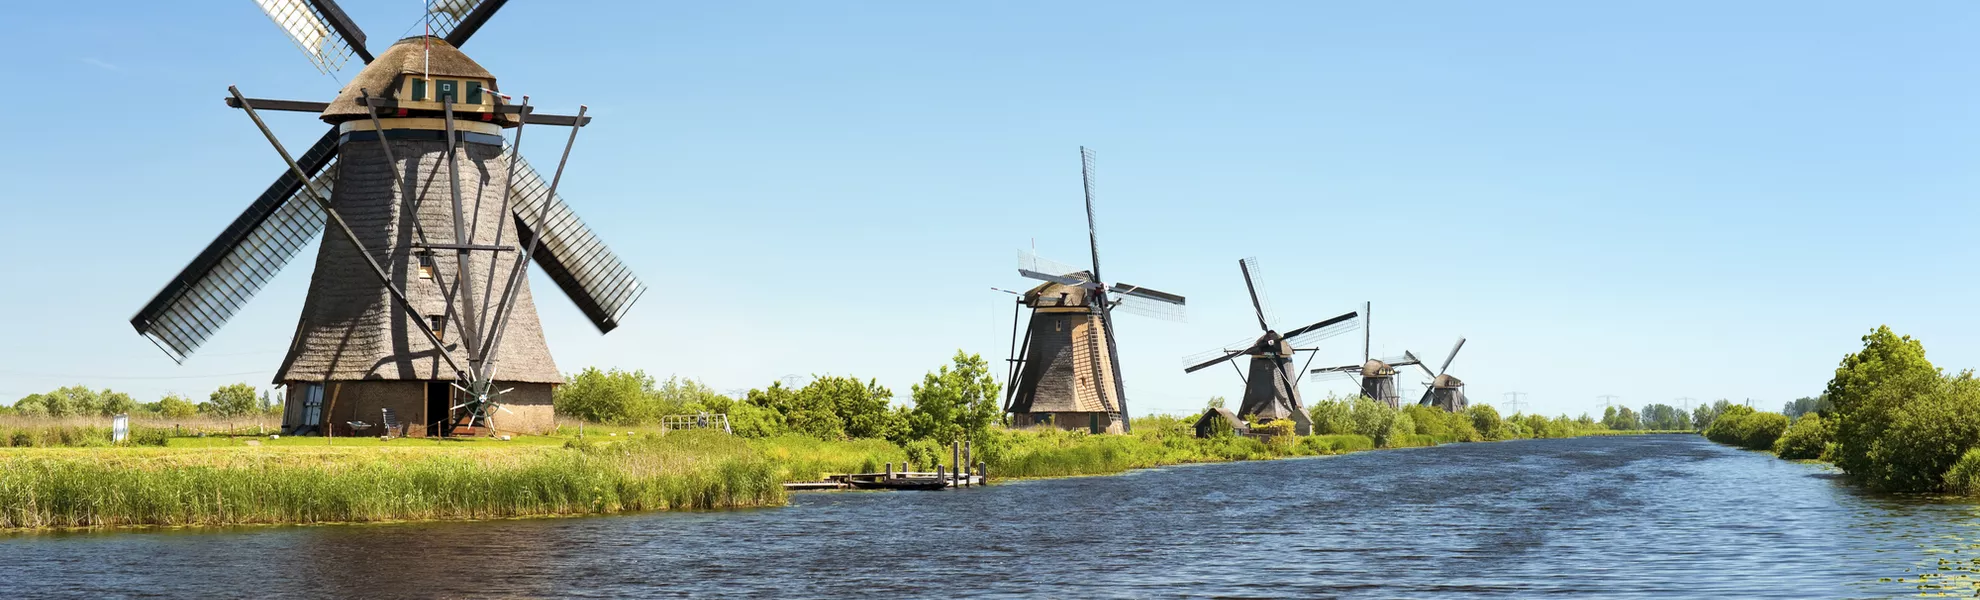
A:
x: 1649, y: 199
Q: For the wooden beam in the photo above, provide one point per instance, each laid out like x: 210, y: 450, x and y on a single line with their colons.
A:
x: 288, y: 105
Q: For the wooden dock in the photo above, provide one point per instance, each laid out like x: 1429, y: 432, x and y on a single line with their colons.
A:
x: 905, y: 480
x: 942, y: 478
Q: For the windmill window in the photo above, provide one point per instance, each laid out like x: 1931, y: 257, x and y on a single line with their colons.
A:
x: 425, y: 264
x: 418, y: 89
x: 439, y: 326
x: 446, y: 88
x: 474, y: 92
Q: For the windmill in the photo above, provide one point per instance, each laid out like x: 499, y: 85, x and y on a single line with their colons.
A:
x: 1067, y: 374
x: 1376, y: 377
x: 1445, y: 392
x: 419, y: 302
x: 1271, y: 389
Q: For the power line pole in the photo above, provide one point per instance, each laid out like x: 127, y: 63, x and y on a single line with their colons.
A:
x: 1685, y: 403
x: 1512, y: 400
x: 1609, y: 400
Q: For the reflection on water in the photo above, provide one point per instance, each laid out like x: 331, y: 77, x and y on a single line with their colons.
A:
x: 1625, y: 517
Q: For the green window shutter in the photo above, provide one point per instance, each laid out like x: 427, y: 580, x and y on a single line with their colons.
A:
x: 419, y: 89
x: 448, y: 88
x: 474, y: 92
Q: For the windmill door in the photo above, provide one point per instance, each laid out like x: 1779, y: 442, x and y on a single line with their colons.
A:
x: 438, y: 394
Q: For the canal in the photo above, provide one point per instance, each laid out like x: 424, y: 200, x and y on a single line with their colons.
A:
x: 1611, y: 517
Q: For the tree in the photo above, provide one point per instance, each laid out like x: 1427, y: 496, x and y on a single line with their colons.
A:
x: 1215, y: 402
x: 1807, y: 438
x: 232, y: 400
x: 613, y: 396
x: 1804, y: 405
x: 31, y: 406
x: 1333, y: 416
x: 176, y: 406
x: 1868, y: 385
x: 72, y: 401
x: 1486, y: 420
x: 116, y: 403
x: 951, y: 404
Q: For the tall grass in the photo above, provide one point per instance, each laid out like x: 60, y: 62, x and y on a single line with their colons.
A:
x: 135, y: 487
x: 1156, y: 441
x: 18, y: 431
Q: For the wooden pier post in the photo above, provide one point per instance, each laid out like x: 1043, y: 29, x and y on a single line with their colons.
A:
x: 964, y: 465
x: 955, y: 460
x: 983, y: 472
x: 938, y: 470
x: 890, y: 470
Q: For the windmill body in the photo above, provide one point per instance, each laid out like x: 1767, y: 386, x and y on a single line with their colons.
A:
x: 1271, y: 390
x: 1378, y: 382
x: 419, y: 302
x: 1069, y: 379
x: 1444, y: 390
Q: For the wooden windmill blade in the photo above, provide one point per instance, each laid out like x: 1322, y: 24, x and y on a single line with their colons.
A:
x: 1322, y: 330
x: 458, y: 20
x: 1450, y: 357
x: 238, y: 262
x: 1254, y: 279
x: 320, y: 29
x: 1033, y: 266
x: 570, y: 253
x: 1150, y: 303
x: 1210, y: 358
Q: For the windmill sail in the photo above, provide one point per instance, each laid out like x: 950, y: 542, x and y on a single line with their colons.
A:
x: 570, y: 254
x: 235, y: 266
x: 319, y: 29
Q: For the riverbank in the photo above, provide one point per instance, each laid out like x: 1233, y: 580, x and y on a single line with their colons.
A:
x: 221, y: 481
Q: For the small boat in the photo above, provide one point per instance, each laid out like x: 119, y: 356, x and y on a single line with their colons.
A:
x: 897, y: 483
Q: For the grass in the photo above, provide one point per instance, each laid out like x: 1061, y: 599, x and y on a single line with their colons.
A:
x: 304, y: 484
x: 216, y: 480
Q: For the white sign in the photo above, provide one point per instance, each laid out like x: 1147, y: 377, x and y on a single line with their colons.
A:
x: 120, y: 428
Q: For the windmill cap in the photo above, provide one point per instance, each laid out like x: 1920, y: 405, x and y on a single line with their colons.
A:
x: 1376, y: 368
x: 416, y: 56
x: 1447, y: 381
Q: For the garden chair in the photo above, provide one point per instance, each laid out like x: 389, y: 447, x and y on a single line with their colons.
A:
x: 392, y: 427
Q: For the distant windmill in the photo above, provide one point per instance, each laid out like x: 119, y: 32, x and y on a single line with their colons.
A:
x: 1376, y: 377
x: 1068, y: 372
x: 1446, y: 392
x: 1271, y: 386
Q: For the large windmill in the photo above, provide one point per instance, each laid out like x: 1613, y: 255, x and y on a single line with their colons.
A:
x: 419, y: 302
x: 1067, y: 374
x: 1375, y: 376
x: 1271, y: 385
x: 1445, y: 392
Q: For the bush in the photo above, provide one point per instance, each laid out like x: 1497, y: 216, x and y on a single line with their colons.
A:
x: 1485, y: 420
x: 1808, y: 438
x: 1964, y: 476
x: 1740, y: 425
x: 1924, y: 438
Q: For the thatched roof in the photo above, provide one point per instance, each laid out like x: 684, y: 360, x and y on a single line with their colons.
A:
x: 417, y: 55
x: 1376, y: 368
x: 1446, y: 381
x: 1047, y: 294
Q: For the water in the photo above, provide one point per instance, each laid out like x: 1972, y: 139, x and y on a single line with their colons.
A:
x: 1617, y: 517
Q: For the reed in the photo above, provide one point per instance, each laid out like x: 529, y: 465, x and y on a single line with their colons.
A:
x: 156, y: 487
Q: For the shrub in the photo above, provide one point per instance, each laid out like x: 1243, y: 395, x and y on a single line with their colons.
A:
x: 1964, y: 476
x: 1924, y: 438
x: 1740, y: 425
x: 1808, y: 438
